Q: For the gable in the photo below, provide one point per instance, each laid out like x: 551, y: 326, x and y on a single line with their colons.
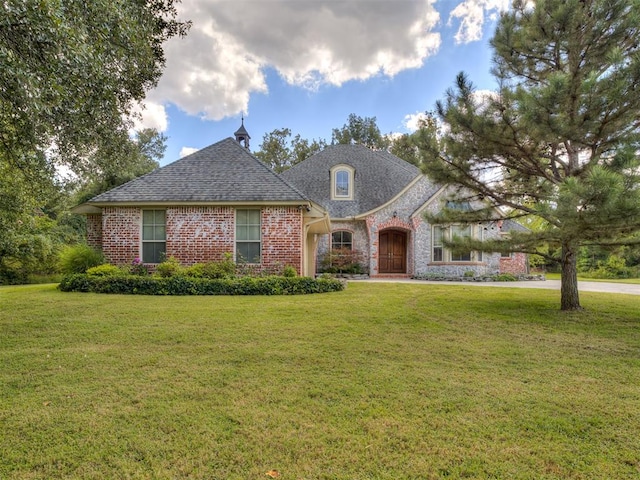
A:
x: 378, y: 177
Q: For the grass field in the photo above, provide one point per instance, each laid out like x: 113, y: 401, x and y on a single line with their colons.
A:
x: 635, y: 281
x: 381, y: 381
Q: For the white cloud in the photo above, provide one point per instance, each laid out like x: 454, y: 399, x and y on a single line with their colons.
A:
x: 222, y: 61
x: 412, y: 121
x: 184, y: 151
x: 472, y: 17
x: 150, y: 115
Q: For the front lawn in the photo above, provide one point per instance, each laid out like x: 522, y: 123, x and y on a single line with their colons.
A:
x: 556, y: 276
x: 380, y: 381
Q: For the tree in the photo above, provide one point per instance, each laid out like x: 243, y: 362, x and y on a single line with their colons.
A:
x: 130, y: 158
x: 71, y: 73
x: 360, y: 131
x: 408, y: 146
x: 280, y: 153
x: 560, y: 138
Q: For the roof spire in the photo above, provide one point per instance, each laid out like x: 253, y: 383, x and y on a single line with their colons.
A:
x: 242, y: 136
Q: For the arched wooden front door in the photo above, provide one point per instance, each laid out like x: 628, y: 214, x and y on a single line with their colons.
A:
x: 393, y: 252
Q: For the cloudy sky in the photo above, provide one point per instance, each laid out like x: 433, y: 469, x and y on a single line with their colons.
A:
x: 308, y: 64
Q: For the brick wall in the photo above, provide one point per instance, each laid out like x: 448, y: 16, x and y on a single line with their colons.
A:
x: 516, y: 264
x: 200, y: 234
x: 121, y: 234
x: 94, y: 231
x: 282, y: 237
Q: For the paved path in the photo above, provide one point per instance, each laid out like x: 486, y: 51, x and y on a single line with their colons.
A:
x: 583, y: 286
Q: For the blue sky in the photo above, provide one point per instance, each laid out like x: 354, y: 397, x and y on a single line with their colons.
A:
x: 307, y: 64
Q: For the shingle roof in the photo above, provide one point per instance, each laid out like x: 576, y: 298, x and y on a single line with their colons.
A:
x: 379, y: 176
x: 222, y: 172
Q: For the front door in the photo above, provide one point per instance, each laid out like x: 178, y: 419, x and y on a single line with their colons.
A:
x: 393, y: 252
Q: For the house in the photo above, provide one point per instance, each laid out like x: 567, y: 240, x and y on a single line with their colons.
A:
x: 216, y: 201
x: 222, y: 199
x: 376, y: 203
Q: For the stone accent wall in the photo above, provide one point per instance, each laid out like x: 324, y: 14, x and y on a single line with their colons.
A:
x: 282, y: 237
x: 121, y: 234
x: 94, y: 231
x: 360, y: 237
x: 200, y: 234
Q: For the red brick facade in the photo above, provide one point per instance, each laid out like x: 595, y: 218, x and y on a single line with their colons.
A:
x: 199, y: 234
x: 94, y: 231
x: 516, y: 264
x: 121, y: 234
x: 282, y: 237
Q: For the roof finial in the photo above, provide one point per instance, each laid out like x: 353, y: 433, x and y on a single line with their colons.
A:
x: 242, y: 136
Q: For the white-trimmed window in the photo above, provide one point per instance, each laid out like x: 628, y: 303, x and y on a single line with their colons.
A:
x: 154, y: 236
x: 342, y: 239
x: 248, y: 235
x: 443, y: 233
x: 342, y: 182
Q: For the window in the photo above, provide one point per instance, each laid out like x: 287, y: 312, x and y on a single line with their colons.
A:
x: 462, y: 232
x: 342, y: 239
x: 442, y: 254
x: 154, y: 236
x: 248, y: 235
x: 342, y: 182
x: 438, y: 248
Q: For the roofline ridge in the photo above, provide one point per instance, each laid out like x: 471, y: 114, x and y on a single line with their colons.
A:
x: 277, y: 176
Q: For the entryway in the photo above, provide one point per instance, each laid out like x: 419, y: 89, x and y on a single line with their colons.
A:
x: 392, y: 256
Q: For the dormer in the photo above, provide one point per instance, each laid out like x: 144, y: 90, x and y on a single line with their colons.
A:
x: 242, y: 136
x: 342, y: 182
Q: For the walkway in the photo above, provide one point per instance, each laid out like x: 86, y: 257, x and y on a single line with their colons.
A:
x: 583, y: 286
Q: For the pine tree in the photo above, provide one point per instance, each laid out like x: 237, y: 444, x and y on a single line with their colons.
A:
x: 559, y: 140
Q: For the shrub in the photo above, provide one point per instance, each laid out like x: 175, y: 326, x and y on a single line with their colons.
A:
x: 289, y: 271
x: 138, y: 268
x: 168, y: 268
x: 505, y: 277
x: 469, y: 274
x: 183, y: 285
x: 222, y: 269
x: 342, y: 260
x: 613, y: 267
x: 105, y: 270
x: 79, y: 258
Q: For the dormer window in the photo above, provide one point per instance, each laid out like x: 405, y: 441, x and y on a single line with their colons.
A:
x: 342, y: 182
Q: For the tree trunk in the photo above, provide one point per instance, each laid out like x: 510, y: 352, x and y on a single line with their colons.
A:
x: 569, y: 297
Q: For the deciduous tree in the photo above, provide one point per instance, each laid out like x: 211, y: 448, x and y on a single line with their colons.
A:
x: 279, y: 152
x: 361, y: 131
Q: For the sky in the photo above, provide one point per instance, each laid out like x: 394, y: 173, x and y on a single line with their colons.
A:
x: 307, y: 64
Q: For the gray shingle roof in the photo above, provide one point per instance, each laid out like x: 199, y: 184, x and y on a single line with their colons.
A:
x: 379, y: 176
x: 222, y: 172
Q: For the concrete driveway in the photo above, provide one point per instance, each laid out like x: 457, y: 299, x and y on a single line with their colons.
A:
x: 626, y: 288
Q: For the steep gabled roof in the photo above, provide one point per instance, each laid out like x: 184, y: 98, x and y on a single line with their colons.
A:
x: 379, y: 176
x: 222, y: 172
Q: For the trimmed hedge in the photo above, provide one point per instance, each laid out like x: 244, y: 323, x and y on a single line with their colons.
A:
x: 180, y: 285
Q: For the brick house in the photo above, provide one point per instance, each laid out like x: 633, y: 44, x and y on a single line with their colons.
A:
x: 219, y: 200
x: 376, y: 203
x: 222, y: 200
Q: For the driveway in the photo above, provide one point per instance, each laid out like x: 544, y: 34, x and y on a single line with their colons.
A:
x: 626, y: 288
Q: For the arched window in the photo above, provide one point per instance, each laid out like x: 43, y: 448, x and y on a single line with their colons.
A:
x: 342, y: 239
x: 342, y: 182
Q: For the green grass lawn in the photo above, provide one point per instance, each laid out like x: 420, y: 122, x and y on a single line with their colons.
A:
x: 381, y: 381
x: 556, y: 276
